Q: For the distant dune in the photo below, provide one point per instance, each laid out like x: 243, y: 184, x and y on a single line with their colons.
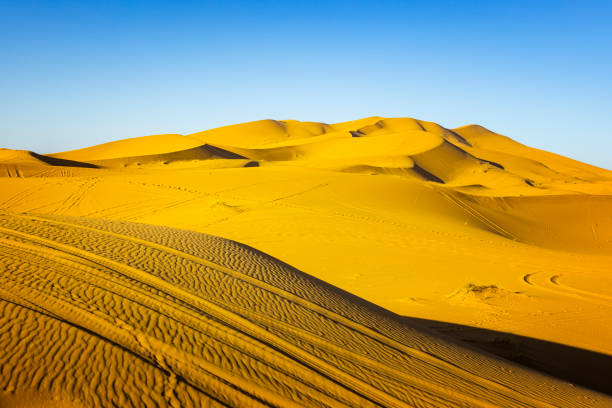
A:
x: 146, y: 145
x: 397, y: 263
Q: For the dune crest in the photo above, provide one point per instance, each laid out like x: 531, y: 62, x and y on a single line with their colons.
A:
x: 145, y: 145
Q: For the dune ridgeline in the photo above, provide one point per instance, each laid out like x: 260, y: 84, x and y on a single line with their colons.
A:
x: 383, y: 262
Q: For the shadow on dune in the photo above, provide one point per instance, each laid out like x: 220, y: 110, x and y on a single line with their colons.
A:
x: 582, y: 367
x: 54, y: 161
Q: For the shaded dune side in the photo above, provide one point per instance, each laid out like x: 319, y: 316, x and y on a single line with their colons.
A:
x: 24, y: 163
x: 136, y: 146
x: 53, y: 161
x: 100, y: 313
x: 573, y: 364
x: 489, y: 142
x: 8, y: 156
x: 204, y: 152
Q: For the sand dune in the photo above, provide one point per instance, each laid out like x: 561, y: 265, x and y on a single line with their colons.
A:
x: 145, y: 145
x: 195, y: 156
x: 173, y: 318
x: 21, y: 163
x: 262, y: 132
x: 469, y: 234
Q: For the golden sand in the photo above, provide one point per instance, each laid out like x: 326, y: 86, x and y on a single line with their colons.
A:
x: 177, y: 271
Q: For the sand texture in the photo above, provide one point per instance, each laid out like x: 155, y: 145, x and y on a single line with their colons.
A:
x: 379, y: 262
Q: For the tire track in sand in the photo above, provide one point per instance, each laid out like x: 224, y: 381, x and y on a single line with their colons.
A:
x: 243, y: 330
x: 424, y: 357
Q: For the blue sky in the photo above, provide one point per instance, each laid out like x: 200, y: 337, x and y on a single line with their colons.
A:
x: 73, y: 74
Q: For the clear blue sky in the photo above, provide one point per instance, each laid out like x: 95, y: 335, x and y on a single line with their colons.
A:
x: 74, y: 74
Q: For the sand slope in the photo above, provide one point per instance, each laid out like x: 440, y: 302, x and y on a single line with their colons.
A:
x: 23, y: 163
x: 463, y: 231
x: 262, y: 132
x: 106, y: 313
x: 144, y: 145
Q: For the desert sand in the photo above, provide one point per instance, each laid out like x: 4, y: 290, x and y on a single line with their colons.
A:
x: 379, y: 262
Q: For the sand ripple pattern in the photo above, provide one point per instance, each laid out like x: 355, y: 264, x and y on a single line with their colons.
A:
x: 101, y: 313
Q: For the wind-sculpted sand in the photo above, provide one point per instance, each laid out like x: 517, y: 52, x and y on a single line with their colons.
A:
x: 120, y: 314
x: 449, y: 252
